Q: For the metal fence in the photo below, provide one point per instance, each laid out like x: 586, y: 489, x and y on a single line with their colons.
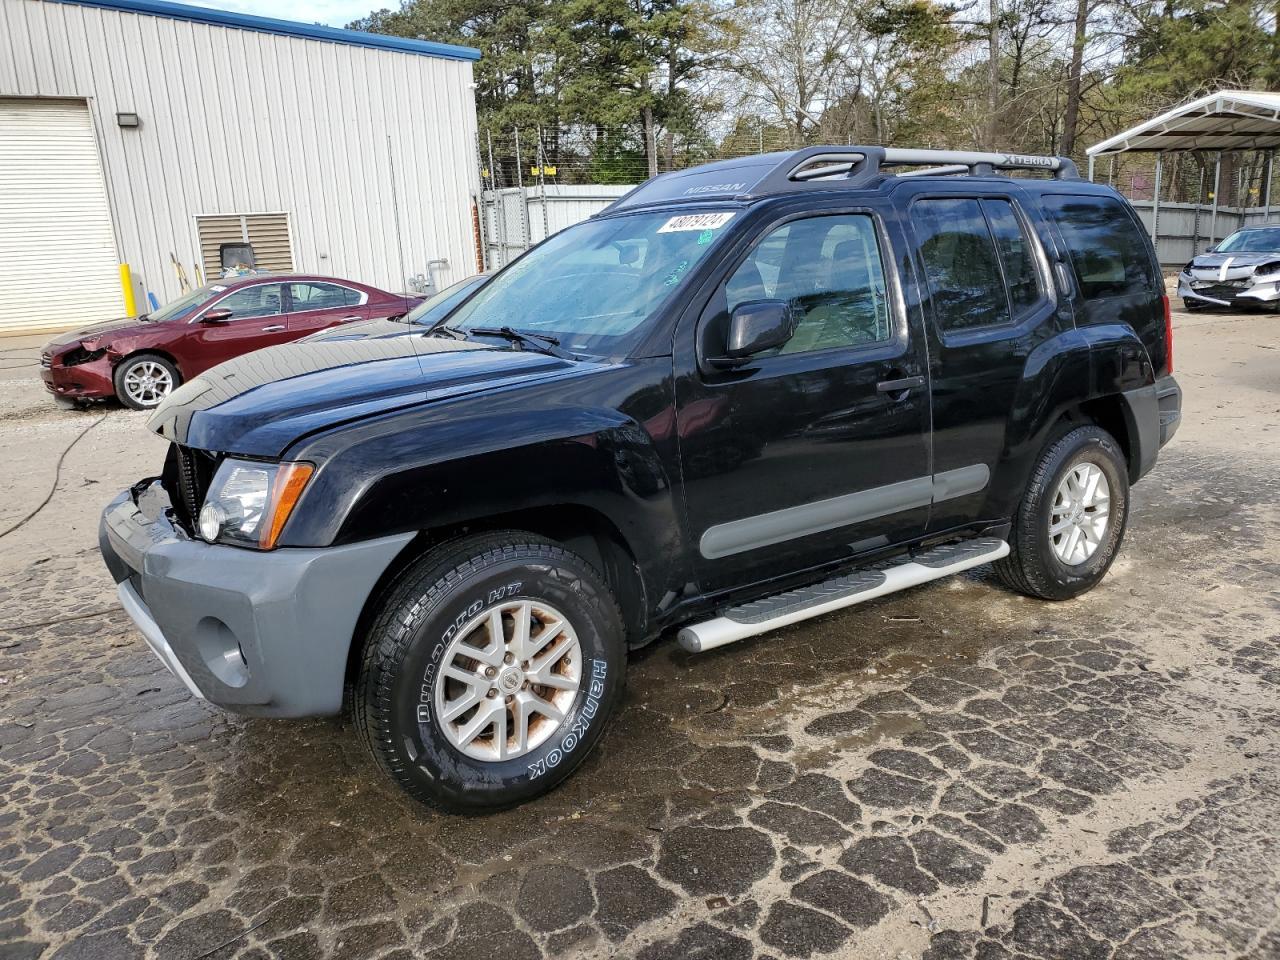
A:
x: 1186, y: 229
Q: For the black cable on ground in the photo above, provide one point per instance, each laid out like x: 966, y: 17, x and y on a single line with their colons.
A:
x: 57, y: 477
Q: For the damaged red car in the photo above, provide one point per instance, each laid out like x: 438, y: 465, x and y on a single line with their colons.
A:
x: 141, y: 361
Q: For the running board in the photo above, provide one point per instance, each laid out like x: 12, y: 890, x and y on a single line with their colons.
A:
x: 783, y: 609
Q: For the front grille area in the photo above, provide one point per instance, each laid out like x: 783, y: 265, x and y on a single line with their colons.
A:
x: 186, y: 478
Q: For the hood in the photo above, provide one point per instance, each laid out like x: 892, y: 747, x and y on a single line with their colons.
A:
x: 263, y: 402
x: 1210, y: 265
x: 364, y: 330
x: 100, y: 331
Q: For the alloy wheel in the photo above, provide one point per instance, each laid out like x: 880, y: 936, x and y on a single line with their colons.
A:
x: 507, y: 680
x: 1080, y: 514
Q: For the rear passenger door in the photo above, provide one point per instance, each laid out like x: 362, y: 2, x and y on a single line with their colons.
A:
x: 315, y: 305
x: 986, y: 282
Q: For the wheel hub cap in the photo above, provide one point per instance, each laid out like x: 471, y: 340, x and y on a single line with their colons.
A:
x: 507, y: 680
x: 1081, y: 513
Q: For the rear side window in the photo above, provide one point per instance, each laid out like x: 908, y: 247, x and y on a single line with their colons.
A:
x: 960, y: 263
x: 1015, y: 255
x: 1108, y: 252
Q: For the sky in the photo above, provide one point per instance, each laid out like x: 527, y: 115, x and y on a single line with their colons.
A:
x: 335, y: 13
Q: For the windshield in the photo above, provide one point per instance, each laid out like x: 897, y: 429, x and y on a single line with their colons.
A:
x: 595, y: 285
x: 433, y: 309
x: 184, y: 306
x: 1258, y: 240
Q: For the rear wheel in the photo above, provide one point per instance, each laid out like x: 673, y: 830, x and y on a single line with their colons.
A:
x: 1071, y: 520
x: 142, y: 382
x: 490, y: 671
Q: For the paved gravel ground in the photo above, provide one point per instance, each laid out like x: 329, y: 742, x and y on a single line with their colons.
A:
x: 953, y: 772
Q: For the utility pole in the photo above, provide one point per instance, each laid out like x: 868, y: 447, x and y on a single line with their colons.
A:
x: 993, y: 76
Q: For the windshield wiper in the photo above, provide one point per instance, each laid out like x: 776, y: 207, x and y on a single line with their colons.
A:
x: 527, y: 341
x: 440, y: 330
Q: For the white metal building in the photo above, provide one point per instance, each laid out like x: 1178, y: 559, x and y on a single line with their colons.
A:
x: 151, y: 134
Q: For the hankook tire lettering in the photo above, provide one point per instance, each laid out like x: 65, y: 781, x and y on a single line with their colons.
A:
x: 579, y: 728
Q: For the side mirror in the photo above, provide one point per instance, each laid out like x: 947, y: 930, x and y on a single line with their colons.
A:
x: 216, y: 316
x: 1213, y: 249
x: 756, y: 326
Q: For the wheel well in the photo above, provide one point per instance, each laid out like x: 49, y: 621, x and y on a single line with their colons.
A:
x: 586, y: 532
x: 1109, y: 414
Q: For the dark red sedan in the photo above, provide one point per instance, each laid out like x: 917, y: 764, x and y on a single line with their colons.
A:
x: 141, y: 360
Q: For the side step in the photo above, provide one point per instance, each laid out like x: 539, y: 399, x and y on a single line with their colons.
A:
x: 769, y: 613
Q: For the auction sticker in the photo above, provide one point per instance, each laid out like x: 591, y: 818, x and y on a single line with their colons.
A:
x: 696, y: 221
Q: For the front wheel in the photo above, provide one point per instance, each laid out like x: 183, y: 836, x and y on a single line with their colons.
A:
x: 490, y: 671
x: 1071, y: 520
x: 142, y: 382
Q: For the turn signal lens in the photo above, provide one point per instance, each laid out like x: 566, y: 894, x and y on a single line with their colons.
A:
x: 290, y: 482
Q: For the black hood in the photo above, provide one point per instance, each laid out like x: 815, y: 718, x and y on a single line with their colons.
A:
x: 261, y: 403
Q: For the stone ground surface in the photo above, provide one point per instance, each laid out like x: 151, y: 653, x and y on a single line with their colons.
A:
x: 954, y: 772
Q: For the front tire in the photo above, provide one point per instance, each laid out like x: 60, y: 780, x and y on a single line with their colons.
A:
x: 490, y: 671
x: 1071, y: 520
x: 142, y: 382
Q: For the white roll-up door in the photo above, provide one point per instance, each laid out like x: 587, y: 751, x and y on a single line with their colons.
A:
x: 58, y: 266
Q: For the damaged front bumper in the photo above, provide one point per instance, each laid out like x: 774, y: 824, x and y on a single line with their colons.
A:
x: 265, y: 633
x: 1207, y: 287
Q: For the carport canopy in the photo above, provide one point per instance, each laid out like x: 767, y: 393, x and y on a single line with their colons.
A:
x: 1226, y: 120
x: 1217, y: 122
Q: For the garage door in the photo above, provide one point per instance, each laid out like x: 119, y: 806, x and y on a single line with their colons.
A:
x: 58, y: 265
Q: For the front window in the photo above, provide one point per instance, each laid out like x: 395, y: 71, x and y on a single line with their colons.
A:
x: 1259, y: 240
x: 189, y: 304
x: 595, y: 286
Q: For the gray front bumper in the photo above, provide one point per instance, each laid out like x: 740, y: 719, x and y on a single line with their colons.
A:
x: 1263, y: 293
x: 262, y: 633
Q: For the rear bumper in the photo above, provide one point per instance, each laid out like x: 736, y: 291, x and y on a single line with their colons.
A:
x: 260, y: 633
x: 1152, y: 416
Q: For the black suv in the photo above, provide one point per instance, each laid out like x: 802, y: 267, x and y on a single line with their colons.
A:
x: 744, y: 395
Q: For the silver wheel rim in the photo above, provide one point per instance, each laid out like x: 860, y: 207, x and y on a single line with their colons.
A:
x: 1081, y: 513
x: 147, y: 383
x: 507, y: 680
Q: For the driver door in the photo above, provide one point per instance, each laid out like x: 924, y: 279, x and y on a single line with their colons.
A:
x: 257, y: 320
x: 818, y: 450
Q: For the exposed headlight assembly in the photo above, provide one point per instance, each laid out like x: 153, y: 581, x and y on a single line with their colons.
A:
x: 250, y: 500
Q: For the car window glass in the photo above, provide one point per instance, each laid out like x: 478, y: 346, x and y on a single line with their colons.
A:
x: 960, y: 263
x: 259, y: 300
x: 1016, y: 257
x: 1107, y: 251
x: 829, y: 270
x: 321, y: 296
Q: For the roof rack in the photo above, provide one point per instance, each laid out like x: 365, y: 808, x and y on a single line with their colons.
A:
x: 824, y: 168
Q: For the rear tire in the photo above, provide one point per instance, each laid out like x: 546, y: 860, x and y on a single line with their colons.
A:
x: 450, y: 695
x: 1071, y: 520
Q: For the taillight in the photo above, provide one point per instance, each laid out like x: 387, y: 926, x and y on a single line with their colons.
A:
x: 1168, y: 335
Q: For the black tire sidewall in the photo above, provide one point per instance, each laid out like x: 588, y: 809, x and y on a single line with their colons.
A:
x: 443, y: 772
x: 1094, y: 446
x: 117, y: 378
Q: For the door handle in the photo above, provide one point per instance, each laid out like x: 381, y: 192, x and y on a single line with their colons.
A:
x: 349, y: 319
x: 901, y: 386
x: 273, y: 328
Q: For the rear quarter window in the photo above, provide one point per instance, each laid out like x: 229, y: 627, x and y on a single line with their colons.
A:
x: 1108, y: 251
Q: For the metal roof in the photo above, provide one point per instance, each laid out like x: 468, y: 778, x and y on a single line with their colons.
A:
x: 284, y: 28
x: 1226, y: 120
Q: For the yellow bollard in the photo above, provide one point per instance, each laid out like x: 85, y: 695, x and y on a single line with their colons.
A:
x: 126, y: 283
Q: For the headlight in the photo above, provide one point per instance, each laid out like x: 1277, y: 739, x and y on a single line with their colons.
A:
x: 249, y: 501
